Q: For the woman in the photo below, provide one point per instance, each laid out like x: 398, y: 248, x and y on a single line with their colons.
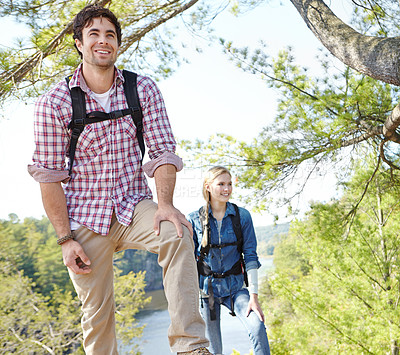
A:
x: 218, y: 248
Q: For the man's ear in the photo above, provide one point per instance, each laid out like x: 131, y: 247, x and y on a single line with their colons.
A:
x: 78, y: 44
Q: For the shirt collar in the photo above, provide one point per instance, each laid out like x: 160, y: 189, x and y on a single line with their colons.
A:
x: 77, y: 78
x: 230, y: 210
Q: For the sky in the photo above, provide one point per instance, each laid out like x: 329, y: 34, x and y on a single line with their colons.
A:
x: 206, y: 96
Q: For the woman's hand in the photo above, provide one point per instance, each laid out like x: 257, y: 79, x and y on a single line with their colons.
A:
x: 254, y: 306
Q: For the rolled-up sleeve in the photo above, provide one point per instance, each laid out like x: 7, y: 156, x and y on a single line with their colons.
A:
x: 51, y: 141
x: 249, y: 241
x: 157, y: 129
x: 45, y: 175
x: 166, y: 158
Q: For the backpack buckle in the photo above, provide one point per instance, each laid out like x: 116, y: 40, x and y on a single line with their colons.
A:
x: 221, y: 275
x: 79, y: 122
x: 139, y: 126
x: 75, y: 133
x: 116, y: 114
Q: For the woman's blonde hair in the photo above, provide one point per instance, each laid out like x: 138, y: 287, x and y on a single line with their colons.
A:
x: 209, y: 177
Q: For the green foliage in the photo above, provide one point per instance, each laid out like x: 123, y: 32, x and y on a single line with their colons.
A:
x: 320, y: 122
x: 240, y: 6
x: 49, y: 269
x: 32, y: 322
x: 376, y: 17
x: 49, y: 55
x: 324, y: 120
x: 238, y: 353
x: 32, y: 246
x: 336, y: 284
x: 129, y: 298
x: 40, y: 312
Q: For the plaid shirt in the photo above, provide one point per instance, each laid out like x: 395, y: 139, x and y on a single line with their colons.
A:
x: 107, y: 175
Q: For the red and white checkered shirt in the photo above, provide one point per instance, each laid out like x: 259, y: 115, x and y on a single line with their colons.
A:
x: 107, y: 175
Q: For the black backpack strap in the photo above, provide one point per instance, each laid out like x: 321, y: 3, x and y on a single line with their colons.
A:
x: 223, y: 245
x: 78, y: 120
x: 132, y: 96
x: 237, y: 228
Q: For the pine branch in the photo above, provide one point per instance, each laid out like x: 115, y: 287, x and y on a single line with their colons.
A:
x: 135, y: 37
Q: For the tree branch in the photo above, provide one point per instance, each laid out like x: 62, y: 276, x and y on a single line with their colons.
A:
x: 353, y: 211
x: 383, y: 157
x: 372, y: 132
x: 272, y: 78
x: 325, y: 320
x: 143, y: 31
x: 391, y: 124
x: 376, y: 57
x: 18, y: 72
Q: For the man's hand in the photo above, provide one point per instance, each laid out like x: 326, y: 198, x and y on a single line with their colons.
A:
x: 170, y: 213
x: 75, y: 258
x: 165, y: 176
x: 254, y: 306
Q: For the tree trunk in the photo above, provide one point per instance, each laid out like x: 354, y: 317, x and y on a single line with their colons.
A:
x: 376, y: 57
x: 395, y: 348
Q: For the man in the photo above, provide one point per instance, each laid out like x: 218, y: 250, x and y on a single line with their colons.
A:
x: 105, y: 205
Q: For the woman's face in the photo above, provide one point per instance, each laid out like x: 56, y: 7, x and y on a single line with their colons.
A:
x: 221, y: 188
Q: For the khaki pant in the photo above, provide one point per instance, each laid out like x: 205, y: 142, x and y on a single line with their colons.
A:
x: 175, y: 256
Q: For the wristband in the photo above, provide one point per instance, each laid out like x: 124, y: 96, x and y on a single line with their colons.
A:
x: 65, y: 238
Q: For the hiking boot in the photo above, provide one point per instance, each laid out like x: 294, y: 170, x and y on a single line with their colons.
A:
x: 198, y: 351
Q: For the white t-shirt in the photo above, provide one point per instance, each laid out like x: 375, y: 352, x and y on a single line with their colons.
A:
x: 104, y: 100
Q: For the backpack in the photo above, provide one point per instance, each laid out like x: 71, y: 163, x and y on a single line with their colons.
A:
x: 80, y: 118
x: 238, y: 268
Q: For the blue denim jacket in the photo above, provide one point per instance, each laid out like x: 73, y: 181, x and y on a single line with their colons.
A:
x: 222, y: 260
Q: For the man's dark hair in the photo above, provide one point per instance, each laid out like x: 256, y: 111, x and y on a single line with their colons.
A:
x: 85, y: 18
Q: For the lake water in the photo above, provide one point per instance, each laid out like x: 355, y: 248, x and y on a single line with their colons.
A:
x: 155, y: 342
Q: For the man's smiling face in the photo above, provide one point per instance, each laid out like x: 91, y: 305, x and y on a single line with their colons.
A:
x: 99, y: 46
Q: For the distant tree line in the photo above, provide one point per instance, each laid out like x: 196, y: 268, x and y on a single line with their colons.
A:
x: 270, y: 236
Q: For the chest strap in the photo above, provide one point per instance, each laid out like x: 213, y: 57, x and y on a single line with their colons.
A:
x: 204, y: 269
x: 223, y: 245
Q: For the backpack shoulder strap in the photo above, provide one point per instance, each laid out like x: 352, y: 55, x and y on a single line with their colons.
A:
x: 132, y: 96
x: 78, y: 120
x: 237, y: 228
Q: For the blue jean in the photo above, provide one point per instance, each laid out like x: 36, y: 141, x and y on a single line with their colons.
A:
x: 255, y: 328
